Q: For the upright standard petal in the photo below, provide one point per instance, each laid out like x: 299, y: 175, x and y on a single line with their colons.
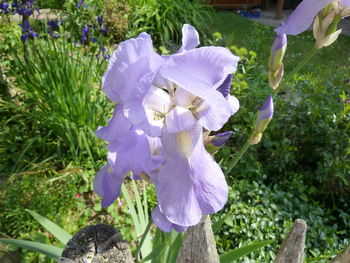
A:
x: 190, y: 38
x: 190, y: 183
x: 201, y: 72
x: 302, y: 17
x: 134, y: 61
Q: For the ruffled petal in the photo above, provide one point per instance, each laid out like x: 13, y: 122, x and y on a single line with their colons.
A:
x: 206, y: 66
x: 302, y: 17
x: 131, y: 69
x: 107, y: 184
x: 190, y: 38
x: 163, y: 223
x: 117, y: 126
x: 189, y: 185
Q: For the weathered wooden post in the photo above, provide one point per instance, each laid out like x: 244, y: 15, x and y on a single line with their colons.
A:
x: 344, y: 256
x: 199, y: 244
x: 97, y: 244
x: 292, y: 248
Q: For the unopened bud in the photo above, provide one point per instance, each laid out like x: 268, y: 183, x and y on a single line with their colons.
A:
x: 215, y: 142
x: 275, y: 77
x: 325, y: 25
x: 264, y: 116
x: 278, y: 50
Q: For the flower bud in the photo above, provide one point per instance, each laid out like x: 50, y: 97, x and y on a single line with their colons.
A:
x: 264, y: 116
x: 278, y: 50
x: 325, y: 25
x: 215, y: 142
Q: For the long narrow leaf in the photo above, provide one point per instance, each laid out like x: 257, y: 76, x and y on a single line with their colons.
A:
x: 61, y: 234
x: 237, y: 253
x: 47, y: 250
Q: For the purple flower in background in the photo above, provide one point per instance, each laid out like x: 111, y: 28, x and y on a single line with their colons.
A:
x: 53, y: 27
x: 81, y: 3
x: 164, y: 103
x: 27, y: 31
x: 85, y: 32
x: 264, y: 116
x: 4, y: 8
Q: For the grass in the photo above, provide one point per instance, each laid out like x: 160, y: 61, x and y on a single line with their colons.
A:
x: 243, y: 32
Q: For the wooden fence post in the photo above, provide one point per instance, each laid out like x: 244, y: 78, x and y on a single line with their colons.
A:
x: 97, y: 244
x: 292, y: 248
x: 199, y: 244
x: 344, y: 257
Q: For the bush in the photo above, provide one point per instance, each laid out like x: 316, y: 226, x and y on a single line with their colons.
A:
x: 258, y: 212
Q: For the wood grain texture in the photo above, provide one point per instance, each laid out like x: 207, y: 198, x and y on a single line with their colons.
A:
x: 97, y: 244
x: 199, y: 244
x: 292, y: 248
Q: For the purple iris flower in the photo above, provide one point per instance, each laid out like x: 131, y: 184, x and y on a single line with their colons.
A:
x: 53, y: 27
x: 27, y: 31
x: 125, y: 143
x: 303, y: 16
x: 82, y: 3
x: 168, y: 101
x: 4, y: 8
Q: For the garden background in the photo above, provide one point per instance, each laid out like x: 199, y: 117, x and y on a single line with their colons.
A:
x: 51, y: 104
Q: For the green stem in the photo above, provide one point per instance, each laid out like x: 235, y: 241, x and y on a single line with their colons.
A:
x: 284, y: 82
x: 148, y: 227
x: 238, y: 157
x: 297, y: 68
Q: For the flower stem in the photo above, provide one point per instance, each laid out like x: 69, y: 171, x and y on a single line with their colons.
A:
x: 298, y: 67
x: 284, y: 82
x: 238, y: 157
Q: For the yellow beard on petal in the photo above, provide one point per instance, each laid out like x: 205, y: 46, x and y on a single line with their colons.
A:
x: 185, y: 143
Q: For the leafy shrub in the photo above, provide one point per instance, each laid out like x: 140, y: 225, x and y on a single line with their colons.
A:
x: 258, y: 212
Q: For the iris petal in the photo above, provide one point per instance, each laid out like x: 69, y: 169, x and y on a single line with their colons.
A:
x: 189, y: 186
x: 302, y: 17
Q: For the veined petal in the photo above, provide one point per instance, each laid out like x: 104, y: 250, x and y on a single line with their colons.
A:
x: 179, y: 119
x: 207, y: 66
x: 189, y: 186
x: 163, y: 223
x: 133, y: 62
x: 234, y: 103
x: 107, y: 184
x: 190, y: 38
x: 302, y: 17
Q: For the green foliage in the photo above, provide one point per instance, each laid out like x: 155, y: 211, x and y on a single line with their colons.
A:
x: 62, y: 84
x: 163, y: 19
x: 258, y: 212
x: 233, y: 255
x: 47, y: 250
